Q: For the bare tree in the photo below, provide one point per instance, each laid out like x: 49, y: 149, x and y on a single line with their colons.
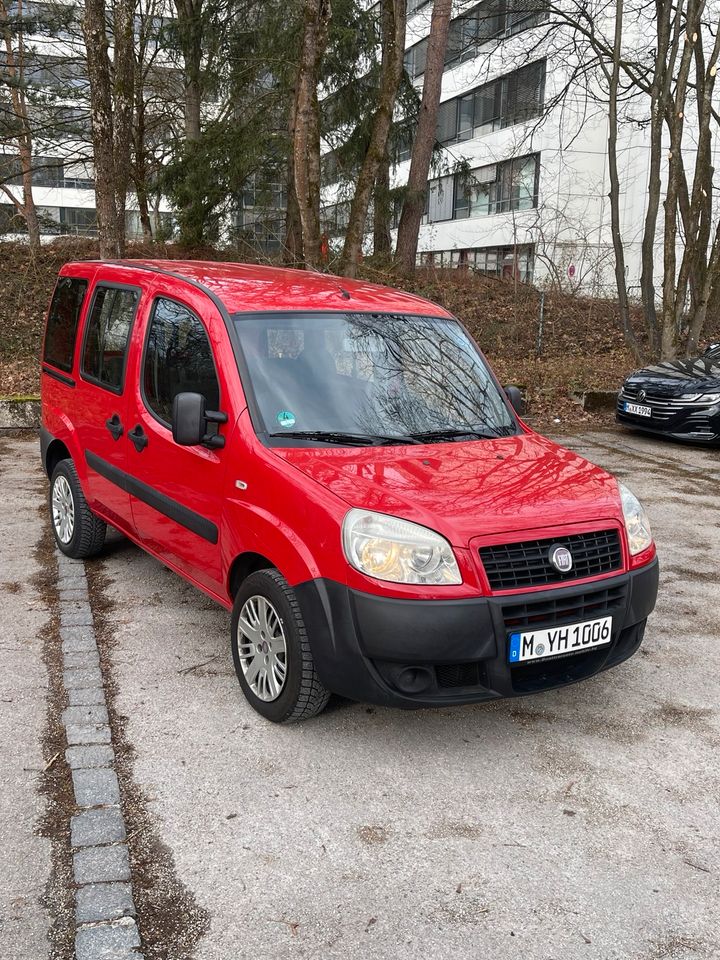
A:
x: 423, y: 144
x: 613, y: 76
x: 21, y: 127
x: 659, y: 73
x: 111, y: 112
x: 306, y: 137
x: 391, y: 69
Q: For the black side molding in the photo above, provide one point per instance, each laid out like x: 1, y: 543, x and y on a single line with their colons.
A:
x: 49, y: 372
x: 153, y: 498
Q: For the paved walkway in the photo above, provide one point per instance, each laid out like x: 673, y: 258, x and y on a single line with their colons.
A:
x: 25, y: 867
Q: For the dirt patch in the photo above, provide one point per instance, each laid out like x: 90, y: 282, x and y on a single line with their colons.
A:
x: 55, y: 782
x: 373, y: 834
x: 170, y: 921
x: 11, y: 586
x: 680, y: 713
x: 452, y: 829
x: 609, y: 728
x: 694, y: 576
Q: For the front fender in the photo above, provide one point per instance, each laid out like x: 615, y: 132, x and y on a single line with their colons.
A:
x: 249, y: 528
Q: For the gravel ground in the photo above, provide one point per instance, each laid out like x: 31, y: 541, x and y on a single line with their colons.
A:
x: 581, y: 823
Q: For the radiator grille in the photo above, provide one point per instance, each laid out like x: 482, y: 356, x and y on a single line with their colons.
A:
x: 527, y: 564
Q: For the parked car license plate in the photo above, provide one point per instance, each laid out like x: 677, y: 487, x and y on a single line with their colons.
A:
x: 573, y: 638
x: 639, y: 409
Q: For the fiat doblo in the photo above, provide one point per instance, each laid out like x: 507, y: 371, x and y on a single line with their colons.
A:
x: 335, y: 463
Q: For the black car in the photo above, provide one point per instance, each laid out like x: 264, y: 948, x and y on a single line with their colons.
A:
x: 676, y: 398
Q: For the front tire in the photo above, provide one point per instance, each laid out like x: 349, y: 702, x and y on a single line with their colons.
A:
x: 271, y: 651
x: 77, y: 531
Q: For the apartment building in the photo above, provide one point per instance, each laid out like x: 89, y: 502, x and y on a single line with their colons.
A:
x: 63, y: 178
x: 520, y: 180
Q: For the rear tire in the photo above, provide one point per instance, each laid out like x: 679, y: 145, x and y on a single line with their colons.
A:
x: 271, y: 651
x: 77, y: 531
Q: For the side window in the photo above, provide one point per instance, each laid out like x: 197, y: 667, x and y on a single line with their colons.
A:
x: 62, y: 322
x: 108, y: 334
x: 178, y: 359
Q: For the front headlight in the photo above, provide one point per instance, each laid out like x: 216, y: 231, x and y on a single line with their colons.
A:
x: 388, y: 548
x: 709, y: 398
x: 636, y: 521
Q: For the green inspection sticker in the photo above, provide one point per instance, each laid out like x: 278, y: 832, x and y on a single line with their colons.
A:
x: 286, y: 418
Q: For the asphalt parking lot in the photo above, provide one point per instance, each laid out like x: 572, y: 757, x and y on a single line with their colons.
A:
x: 581, y: 823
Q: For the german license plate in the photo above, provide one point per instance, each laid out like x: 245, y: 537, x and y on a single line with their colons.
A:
x: 556, y: 641
x: 639, y: 409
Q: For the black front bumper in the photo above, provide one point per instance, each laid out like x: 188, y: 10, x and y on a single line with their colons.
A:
x: 697, y: 426
x: 416, y: 653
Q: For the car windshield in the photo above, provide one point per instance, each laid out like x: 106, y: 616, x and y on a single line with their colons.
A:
x: 370, y: 378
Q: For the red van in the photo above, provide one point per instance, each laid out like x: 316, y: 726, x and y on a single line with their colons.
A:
x: 335, y: 462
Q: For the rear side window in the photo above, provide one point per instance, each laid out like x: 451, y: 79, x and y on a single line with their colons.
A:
x: 62, y: 322
x: 108, y: 334
x: 178, y: 359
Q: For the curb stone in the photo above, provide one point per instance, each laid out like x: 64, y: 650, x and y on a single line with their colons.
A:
x: 105, y: 928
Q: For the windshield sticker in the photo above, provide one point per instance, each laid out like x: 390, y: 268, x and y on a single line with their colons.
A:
x: 286, y: 418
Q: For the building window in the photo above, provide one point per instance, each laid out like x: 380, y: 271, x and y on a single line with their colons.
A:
x: 495, y: 188
x: 514, y: 98
x: 485, y: 21
x: 334, y: 218
x: 509, y: 262
x: 516, y: 184
x: 80, y: 221
x: 48, y: 172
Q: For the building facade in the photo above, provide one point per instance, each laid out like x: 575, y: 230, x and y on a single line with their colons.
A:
x: 54, y: 76
x: 519, y: 186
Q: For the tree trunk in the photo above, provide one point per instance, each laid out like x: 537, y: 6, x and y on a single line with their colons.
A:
x: 710, y: 292
x: 306, y: 142
x: 111, y: 233
x: 659, y: 93
x: 393, y: 51
x: 674, y: 285
x: 382, y: 241
x: 412, y: 211
x: 15, y: 67
x: 123, y: 76
x: 614, y: 83
x: 292, y: 252
x: 191, y: 43
x: 140, y: 166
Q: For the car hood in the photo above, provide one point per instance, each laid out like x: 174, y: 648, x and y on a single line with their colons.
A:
x: 467, y: 489
x: 673, y: 378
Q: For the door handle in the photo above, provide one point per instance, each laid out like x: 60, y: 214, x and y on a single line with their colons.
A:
x: 139, y: 438
x: 115, y: 426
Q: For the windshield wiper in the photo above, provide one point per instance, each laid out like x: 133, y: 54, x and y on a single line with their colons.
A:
x: 358, y: 439
x: 456, y: 433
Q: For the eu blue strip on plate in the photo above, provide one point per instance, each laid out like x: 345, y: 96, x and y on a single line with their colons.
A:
x: 514, y: 654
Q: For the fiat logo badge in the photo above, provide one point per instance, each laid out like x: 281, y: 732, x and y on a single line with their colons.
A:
x: 561, y: 558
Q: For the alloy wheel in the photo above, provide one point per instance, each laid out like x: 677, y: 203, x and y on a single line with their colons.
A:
x: 262, y: 649
x: 63, y: 509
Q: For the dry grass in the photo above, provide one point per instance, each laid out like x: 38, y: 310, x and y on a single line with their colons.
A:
x: 583, y: 346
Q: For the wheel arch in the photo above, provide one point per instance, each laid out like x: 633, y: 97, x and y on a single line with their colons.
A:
x: 56, y: 451
x: 243, y: 565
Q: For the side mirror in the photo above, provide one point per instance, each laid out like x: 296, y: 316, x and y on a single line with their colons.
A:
x: 516, y: 399
x: 190, y: 421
